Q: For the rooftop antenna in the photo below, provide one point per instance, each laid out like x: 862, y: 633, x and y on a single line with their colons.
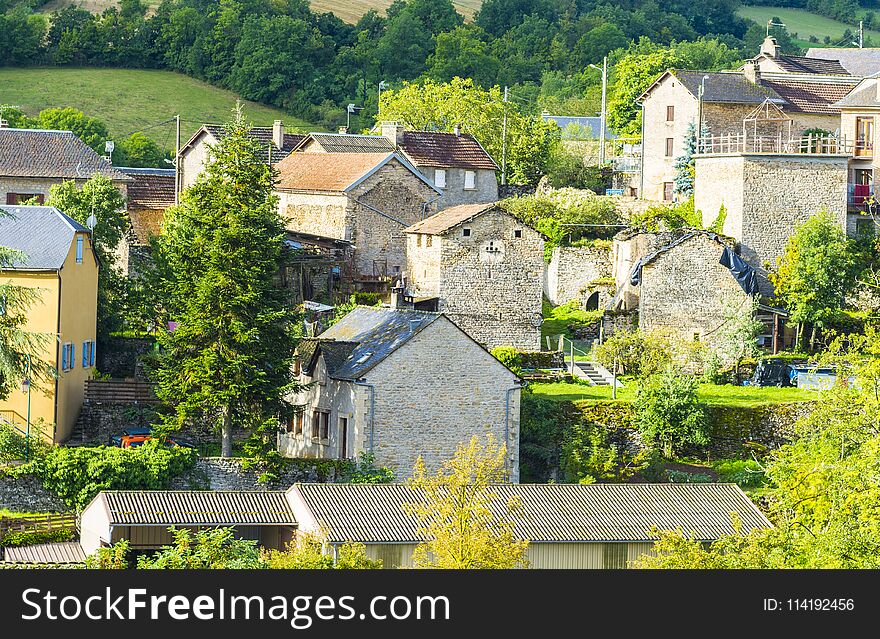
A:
x: 108, y: 149
x: 771, y: 23
x: 861, y: 43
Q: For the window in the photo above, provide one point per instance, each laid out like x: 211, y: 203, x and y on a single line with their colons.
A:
x: 20, y: 198
x: 667, y: 191
x: 320, y: 425
x: 440, y: 178
x: 418, y: 239
x: 295, y: 425
x: 343, y: 437
x: 669, y: 144
x: 68, y: 353
x: 670, y: 113
x: 864, y: 136
x: 465, y: 232
x: 79, y: 249
x: 429, y: 240
x: 517, y: 233
x: 470, y: 180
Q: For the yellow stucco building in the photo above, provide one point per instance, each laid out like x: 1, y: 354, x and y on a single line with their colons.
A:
x: 60, y: 263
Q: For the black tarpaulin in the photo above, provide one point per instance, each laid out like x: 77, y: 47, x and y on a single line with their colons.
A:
x: 743, y: 273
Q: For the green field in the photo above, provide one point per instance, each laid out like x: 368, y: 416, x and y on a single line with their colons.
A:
x: 349, y: 10
x: 130, y: 100
x: 805, y: 24
x: 735, y: 396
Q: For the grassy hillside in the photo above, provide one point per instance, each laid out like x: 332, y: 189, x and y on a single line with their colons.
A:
x: 348, y: 10
x: 129, y: 100
x: 804, y: 24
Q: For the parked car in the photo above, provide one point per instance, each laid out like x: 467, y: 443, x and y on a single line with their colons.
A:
x: 116, y: 440
x: 133, y: 437
x: 773, y: 371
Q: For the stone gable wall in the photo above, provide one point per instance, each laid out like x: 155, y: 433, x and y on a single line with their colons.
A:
x: 656, y: 167
x: 318, y: 214
x: 493, y: 295
x: 684, y: 290
x: 572, y: 269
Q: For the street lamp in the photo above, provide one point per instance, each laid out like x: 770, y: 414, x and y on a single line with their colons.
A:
x: 26, y: 388
x: 349, y: 110
x: 604, y: 70
x: 382, y: 85
x: 699, y: 132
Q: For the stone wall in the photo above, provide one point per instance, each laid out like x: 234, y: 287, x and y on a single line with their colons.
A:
x: 218, y: 473
x: 657, y: 167
x: 25, y: 494
x: 99, y: 421
x: 122, y: 357
x: 485, y: 187
x: 40, y: 186
x: 628, y: 248
x: 492, y: 281
x: 614, y: 321
x: 315, y: 213
x: 684, y: 290
x: 571, y: 271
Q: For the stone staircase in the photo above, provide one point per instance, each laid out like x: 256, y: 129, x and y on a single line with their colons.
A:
x: 594, y: 373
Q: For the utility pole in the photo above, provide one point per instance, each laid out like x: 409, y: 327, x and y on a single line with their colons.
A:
x: 604, y: 70
x: 382, y: 85
x: 504, y: 142
x: 861, y: 34
x: 177, y: 161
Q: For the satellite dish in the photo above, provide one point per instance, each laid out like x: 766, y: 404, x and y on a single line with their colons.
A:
x: 109, y: 146
x: 537, y: 320
x: 92, y: 221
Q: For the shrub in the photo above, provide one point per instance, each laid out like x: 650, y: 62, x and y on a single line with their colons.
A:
x: 745, y: 472
x: 664, y: 217
x: 110, y: 558
x: 13, y: 445
x: 589, y: 456
x: 509, y: 356
x: 637, y: 353
x: 31, y: 537
x: 307, y: 552
x: 212, y: 548
x: 669, y: 413
x: 683, y: 477
x: 365, y: 471
x: 77, y: 474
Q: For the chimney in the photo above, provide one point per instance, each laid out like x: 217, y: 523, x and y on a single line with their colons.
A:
x: 278, y: 134
x: 397, y: 293
x: 343, y: 130
x: 393, y: 131
x: 457, y: 130
x: 752, y: 71
x: 770, y: 47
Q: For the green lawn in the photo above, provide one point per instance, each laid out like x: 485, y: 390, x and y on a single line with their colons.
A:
x: 130, y: 100
x: 738, y: 396
x: 804, y: 24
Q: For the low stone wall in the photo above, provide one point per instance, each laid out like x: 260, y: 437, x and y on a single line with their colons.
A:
x: 218, y: 473
x: 26, y: 494
x: 614, y: 321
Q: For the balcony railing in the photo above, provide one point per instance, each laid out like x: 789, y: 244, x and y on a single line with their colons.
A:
x: 860, y: 194
x: 864, y: 148
x: 808, y: 144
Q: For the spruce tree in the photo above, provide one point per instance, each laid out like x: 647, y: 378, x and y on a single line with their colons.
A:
x: 225, y: 357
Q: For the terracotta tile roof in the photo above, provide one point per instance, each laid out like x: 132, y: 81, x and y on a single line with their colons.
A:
x: 449, y: 218
x: 51, y: 154
x: 263, y: 135
x: 809, y: 97
x: 433, y: 148
x: 325, y: 171
x: 151, y: 189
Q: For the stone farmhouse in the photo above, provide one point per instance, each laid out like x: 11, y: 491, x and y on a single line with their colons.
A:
x: 483, y: 268
x: 34, y: 160
x: 150, y: 193
x: 193, y: 155
x: 62, y: 267
x: 456, y: 163
x: 367, y: 199
x: 376, y: 382
x: 753, y: 109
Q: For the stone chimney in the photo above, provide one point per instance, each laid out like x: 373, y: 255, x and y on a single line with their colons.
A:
x: 752, y: 71
x: 771, y: 47
x: 394, y: 132
x: 343, y: 130
x: 457, y: 130
x: 397, y: 293
x: 278, y: 134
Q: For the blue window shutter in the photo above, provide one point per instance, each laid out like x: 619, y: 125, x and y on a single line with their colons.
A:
x: 85, y: 355
x: 64, y: 357
x: 92, y: 354
x: 72, y: 355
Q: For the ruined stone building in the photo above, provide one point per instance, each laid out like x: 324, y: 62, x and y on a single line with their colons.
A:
x: 316, y: 267
x: 367, y: 199
x: 483, y: 268
x: 727, y: 102
x: 150, y: 193
x: 456, y: 163
x: 399, y: 384
x: 274, y: 142
x: 582, y: 274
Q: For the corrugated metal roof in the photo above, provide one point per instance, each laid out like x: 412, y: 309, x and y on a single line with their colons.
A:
x: 42, y: 233
x: 51, y: 154
x: 192, y: 507
x: 548, y: 513
x: 366, y: 336
x: 64, y: 552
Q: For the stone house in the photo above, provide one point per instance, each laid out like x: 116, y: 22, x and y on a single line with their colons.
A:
x: 770, y: 59
x: 729, y: 103
x: 456, y: 163
x: 367, y: 199
x: 193, y: 156
x: 150, y: 193
x: 684, y: 287
x: 61, y: 267
x: 483, y: 268
x: 34, y: 160
x: 399, y: 384
x: 580, y: 273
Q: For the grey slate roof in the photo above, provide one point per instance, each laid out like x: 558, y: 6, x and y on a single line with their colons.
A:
x: 592, y: 125
x: 809, y: 64
x: 194, y: 507
x: 42, y: 233
x: 51, y: 154
x: 548, y: 513
x: 261, y: 134
x: 350, y: 143
x: 859, y: 62
x: 368, y: 335
x: 726, y: 87
x: 866, y: 95
x: 64, y: 552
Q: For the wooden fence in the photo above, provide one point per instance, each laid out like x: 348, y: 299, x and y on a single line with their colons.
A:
x: 37, y: 523
x: 120, y: 391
